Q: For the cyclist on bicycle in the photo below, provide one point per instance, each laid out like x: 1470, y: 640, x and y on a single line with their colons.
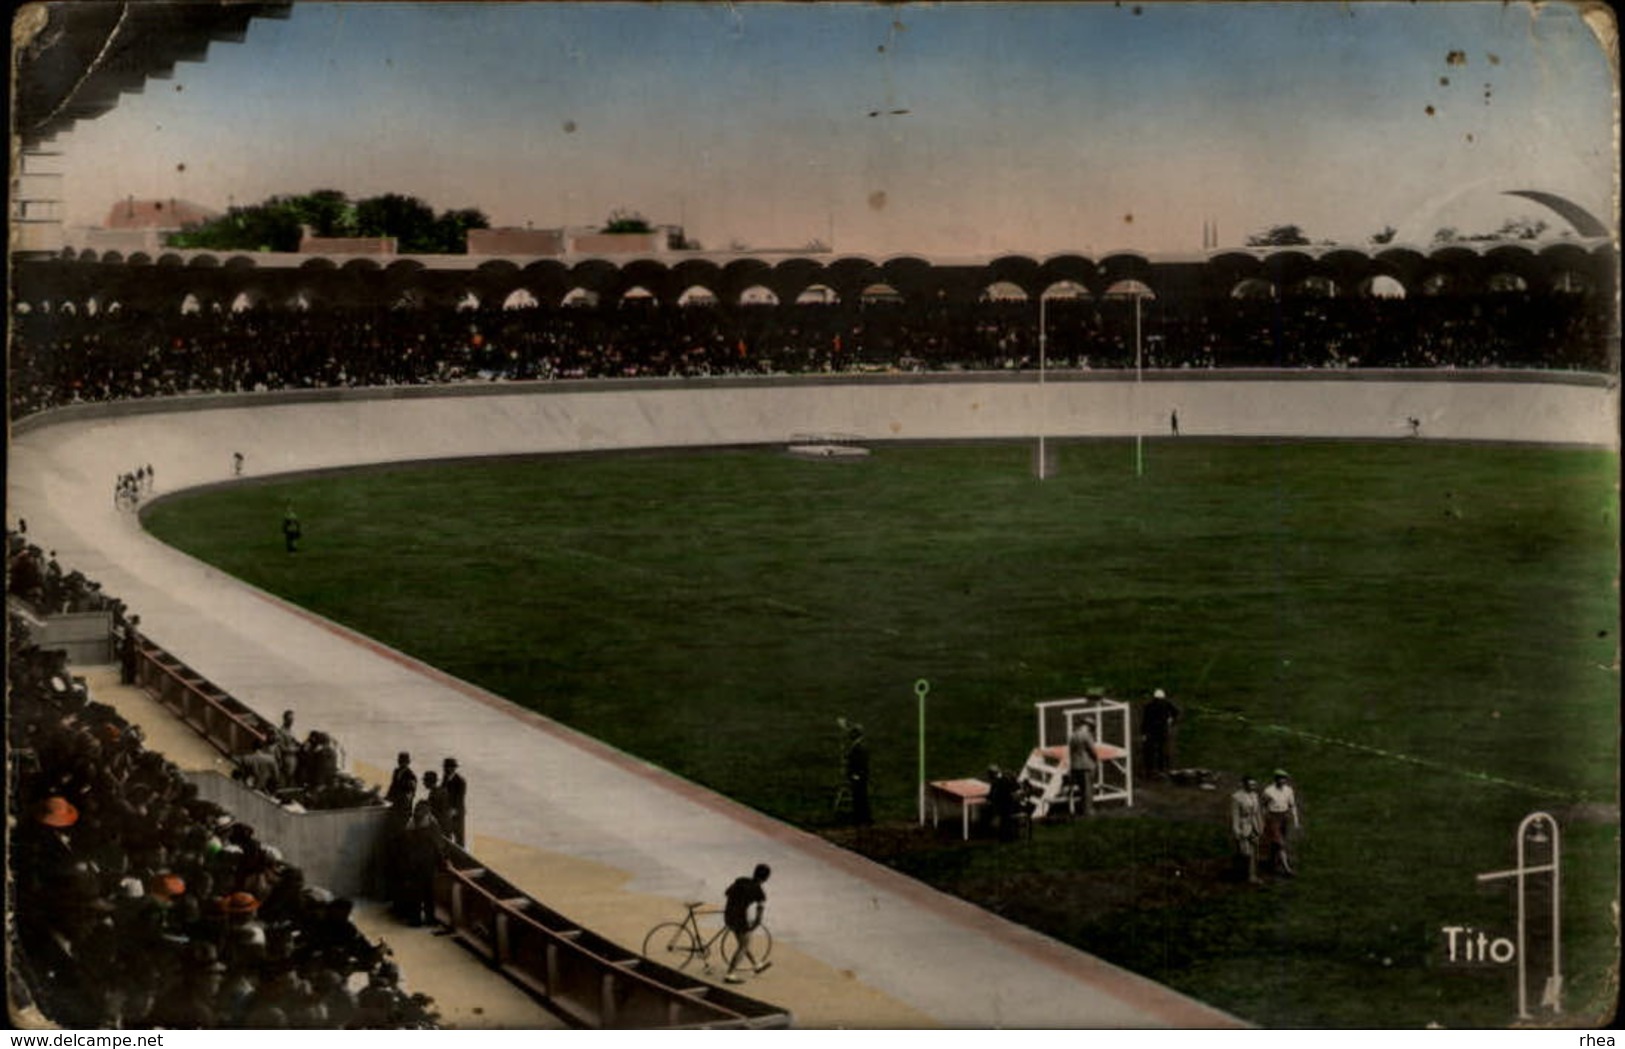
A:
x: 743, y: 913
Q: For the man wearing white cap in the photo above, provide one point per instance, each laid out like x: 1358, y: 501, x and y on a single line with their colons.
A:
x: 1156, y: 732
x: 1281, y: 818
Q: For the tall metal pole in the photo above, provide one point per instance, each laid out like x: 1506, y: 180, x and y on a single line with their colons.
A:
x: 1139, y: 372
x: 1554, y: 982
x: 1043, y: 421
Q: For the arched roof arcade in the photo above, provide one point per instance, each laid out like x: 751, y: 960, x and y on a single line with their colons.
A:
x: 359, y: 280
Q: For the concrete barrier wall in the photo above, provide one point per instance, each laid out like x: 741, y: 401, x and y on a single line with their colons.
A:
x: 191, y: 441
x: 87, y: 637
x: 1431, y: 386
x: 338, y: 850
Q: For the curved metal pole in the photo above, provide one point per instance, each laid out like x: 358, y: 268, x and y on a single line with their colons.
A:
x: 1554, y: 984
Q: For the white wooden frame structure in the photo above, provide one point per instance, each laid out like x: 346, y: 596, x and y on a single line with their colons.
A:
x: 1112, y: 724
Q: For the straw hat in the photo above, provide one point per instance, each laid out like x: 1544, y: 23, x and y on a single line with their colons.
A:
x: 239, y: 903
x: 58, y: 812
x: 167, y: 886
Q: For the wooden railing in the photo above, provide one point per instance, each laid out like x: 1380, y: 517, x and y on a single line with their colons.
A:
x: 232, y: 727
x: 585, y: 977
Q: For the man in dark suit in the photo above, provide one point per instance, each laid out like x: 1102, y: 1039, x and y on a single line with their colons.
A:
x: 456, y: 788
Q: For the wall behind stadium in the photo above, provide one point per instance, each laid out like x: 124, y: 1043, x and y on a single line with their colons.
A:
x: 190, y: 440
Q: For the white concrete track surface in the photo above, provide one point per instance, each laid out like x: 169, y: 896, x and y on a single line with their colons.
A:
x: 543, y: 787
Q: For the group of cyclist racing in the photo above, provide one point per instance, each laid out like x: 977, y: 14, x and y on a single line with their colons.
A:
x: 130, y: 487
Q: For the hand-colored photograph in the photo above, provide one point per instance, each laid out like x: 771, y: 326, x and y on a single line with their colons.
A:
x: 957, y: 516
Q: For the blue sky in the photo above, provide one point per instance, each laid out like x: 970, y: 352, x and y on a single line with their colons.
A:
x: 1041, y: 128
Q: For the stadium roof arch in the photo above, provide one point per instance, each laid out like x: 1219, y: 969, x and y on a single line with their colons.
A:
x: 1584, y: 223
x: 72, y: 61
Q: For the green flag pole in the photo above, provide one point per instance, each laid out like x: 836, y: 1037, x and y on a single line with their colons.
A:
x: 921, y: 687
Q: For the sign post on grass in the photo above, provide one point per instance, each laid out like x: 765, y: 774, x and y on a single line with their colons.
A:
x: 1537, y: 828
x: 921, y: 687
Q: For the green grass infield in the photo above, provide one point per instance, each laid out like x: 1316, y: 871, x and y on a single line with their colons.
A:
x: 1423, y: 634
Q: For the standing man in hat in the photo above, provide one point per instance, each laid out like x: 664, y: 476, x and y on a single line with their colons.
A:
x: 291, y: 532
x: 439, y: 802
x: 287, y: 750
x: 1281, y: 818
x: 1246, y: 826
x: 1082, y: 759
x: 456, y: 788
x: 422, y: 852
x: 1004, y: 800
x: 855, y: 761
x: 1157, y: 731
x: 403, y: 786
x: 130, y: 650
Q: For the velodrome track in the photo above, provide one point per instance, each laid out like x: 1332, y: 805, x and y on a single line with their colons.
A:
x: 901, y: 954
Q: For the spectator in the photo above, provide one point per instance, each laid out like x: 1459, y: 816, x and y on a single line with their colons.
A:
x: 1246, y: 827
x: 130, y: 651
x: 856, y: 767
x: 1005, y: 802
x: 261, y: 769
x: 1281, y: 820
x: 1157, y: 724
x: 287, y: 748
x: 189, y: 1001
x: 291, y: 531
x: 1082, y: 761
x: 60, y: 358
x: 421, y: 853
x: 110, y: 859
x: 403, y: 786
x: 456, y: 788
x: 438, y: 800
x: 320, y: 761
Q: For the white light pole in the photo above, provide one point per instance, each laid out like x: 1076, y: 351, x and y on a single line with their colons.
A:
x: 1043, y: 422
x: 1139, y: 373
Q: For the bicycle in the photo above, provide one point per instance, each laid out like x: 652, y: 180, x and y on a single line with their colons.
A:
x: 680, y: 943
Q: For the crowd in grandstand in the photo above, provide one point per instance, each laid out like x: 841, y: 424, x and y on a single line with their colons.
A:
x: 304, y: 774
x: 307, y: 774
x: 69, y: 357
x: 37, y: 578
x: 138, y: 904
